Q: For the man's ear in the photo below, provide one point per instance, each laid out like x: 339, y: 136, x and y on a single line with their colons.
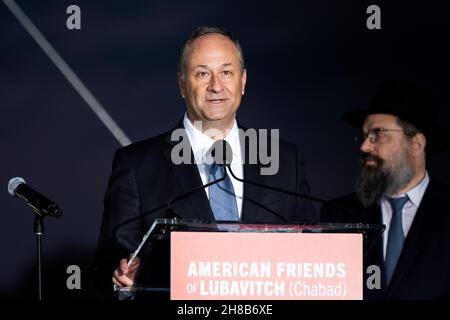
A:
x: 181, y: 84
x: 244, y: 80
x: 419, y: 143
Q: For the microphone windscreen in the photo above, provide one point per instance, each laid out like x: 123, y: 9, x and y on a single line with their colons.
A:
x: 13, y: 184
x: 222, y: 153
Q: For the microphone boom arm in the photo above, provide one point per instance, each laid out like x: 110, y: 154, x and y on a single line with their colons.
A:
x: 292, y: 193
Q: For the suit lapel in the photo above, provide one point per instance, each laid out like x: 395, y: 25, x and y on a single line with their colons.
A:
x: 252, y: 195
x: 421, y: 229
x: 196, y: 206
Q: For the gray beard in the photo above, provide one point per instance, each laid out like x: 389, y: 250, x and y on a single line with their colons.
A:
x: 375, y: 182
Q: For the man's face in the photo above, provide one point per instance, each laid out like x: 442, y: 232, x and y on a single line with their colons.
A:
x: 387, y: 162
x: 214, y: 81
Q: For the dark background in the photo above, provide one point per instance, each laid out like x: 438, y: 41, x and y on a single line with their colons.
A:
x: 307, y: 62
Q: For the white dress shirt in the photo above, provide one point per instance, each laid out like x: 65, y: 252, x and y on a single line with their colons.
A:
x: 201, y: 144
x: 415, y: 196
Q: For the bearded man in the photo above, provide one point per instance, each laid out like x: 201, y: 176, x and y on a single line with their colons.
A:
x: 400, y: 130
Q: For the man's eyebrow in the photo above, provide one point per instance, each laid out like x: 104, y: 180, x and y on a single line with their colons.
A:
x: 200, y: 66
x: 203, y: 66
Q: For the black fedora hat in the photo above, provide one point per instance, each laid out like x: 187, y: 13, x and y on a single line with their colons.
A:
x: 410, y: 103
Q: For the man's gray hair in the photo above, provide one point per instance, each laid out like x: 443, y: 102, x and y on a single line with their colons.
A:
x: 199, y: 32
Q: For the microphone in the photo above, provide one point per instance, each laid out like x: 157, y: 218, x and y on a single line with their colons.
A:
x: 40, y: 204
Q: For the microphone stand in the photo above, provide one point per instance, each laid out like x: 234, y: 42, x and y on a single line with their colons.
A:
x: 41, y: 207
x: 38, y: 230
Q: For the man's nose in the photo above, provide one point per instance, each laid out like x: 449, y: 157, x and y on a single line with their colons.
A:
x: 367, y: 146
x: 215, y: 84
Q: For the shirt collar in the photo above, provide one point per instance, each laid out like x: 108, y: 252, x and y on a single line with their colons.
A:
x: 201, y: 143
x: 416, y: 194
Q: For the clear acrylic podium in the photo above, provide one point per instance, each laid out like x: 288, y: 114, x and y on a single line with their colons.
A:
x: 161, y: 228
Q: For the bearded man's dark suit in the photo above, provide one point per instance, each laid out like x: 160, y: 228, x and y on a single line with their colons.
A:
x: 145, y: 178
x: 423, y: 269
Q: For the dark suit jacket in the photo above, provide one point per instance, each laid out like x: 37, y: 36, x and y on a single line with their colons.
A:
x: 423, y: 269
x: 144, y: 178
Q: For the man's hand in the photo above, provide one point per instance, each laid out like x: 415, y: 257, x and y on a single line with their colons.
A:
x: 124, y: 276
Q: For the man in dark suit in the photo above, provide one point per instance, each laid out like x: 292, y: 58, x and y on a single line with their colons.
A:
x: 400, y: 130
x: 211, y: 77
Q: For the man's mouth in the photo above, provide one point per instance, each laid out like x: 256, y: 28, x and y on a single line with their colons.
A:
x: 371, y: 161
x: 216, y: 101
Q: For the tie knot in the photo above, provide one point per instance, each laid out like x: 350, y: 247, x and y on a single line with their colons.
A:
x: 216, y: 171
x: 398, y: 203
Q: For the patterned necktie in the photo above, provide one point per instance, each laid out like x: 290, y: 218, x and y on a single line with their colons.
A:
x: 395, y: 237
x: 221, y: 196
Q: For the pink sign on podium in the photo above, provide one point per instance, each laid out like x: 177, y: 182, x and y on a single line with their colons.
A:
x: 266, y: 266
